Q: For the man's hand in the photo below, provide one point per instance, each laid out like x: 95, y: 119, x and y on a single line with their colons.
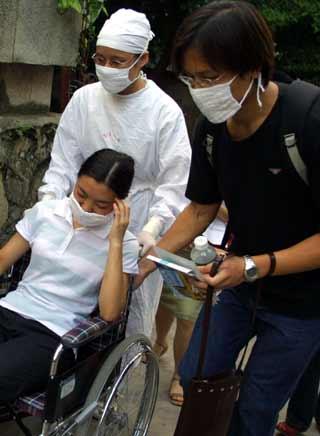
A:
x: 229, y: 275
x: 146, y: 267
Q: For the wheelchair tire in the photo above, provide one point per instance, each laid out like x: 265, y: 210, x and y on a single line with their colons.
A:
x: 123, y: 395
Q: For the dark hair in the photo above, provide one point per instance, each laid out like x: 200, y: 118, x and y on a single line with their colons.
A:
x: 114, y: 169
x: 230, y: 35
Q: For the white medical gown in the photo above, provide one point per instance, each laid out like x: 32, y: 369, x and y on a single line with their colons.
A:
x: 147, y: 125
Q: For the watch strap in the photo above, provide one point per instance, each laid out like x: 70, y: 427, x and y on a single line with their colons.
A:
x: 273, y: 263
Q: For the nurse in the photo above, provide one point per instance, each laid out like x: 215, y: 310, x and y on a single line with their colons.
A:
x: 129, y: 113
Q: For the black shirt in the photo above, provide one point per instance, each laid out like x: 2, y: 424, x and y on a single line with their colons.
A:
x: 270, y: 206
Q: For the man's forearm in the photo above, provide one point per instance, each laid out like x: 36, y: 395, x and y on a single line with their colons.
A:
x: 304, y: 256
x: 190, y: 223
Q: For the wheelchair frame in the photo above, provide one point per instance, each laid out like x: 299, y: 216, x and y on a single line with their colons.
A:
x: 111, y: 357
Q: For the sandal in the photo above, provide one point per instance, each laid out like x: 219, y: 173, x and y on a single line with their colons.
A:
x: 160, y: 349
x: 176, y: 391
x: 285, y: 430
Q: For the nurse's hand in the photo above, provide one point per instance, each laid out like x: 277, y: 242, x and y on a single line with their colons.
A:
x: 146, y: 267
x: 229, y: 275
x: 48, y: 196
x: 120, y: 222
x: 146, y: 241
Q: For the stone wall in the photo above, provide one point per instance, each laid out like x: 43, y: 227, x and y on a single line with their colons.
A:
x: 33, y: 32
x: 25, y: 146
x: 25, y: 88
x: 33, y: 38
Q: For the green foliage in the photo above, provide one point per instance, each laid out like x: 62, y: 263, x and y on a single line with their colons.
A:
x: 295, y: 23
x: 64, y: 5
x: 279, y: 13
x: 296, y: 26
x: 91, y: 9
x: 286, y: 13
x: 24, y: 129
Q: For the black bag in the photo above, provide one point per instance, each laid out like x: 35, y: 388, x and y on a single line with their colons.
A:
x: 208, y: 405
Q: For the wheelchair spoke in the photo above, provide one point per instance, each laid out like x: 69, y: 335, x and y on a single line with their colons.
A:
x: 126, y: 400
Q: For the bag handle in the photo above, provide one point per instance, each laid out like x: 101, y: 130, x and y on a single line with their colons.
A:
x: 206, y: 320
x: 254, y: 313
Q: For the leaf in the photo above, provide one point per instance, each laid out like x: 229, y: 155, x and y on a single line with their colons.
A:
x: 104, y: 10
x: 95, y: 8
x: 64, y: 5
x: 76, y: 5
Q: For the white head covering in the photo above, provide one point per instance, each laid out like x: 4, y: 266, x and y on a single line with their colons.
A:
x: 126, y: 30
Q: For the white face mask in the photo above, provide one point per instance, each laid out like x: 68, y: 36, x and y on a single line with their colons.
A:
x: 115, y: 80
x: 217, y: 102
x: 88, y: 219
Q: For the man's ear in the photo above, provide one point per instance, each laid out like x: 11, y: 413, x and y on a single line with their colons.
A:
x: 255, y: 73
x: 250, y: 75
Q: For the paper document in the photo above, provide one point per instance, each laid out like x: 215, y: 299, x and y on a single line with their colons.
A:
x: 215, y: 232
x: 179, y: 263
x: 175, y: 271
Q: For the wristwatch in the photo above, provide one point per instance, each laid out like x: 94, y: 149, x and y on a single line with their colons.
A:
x: 250, y: 271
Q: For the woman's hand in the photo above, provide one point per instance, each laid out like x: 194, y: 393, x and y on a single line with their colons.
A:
x: 229, y: 275
x: 121, y: 221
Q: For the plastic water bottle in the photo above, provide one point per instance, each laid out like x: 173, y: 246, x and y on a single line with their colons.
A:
x: 202, y: 253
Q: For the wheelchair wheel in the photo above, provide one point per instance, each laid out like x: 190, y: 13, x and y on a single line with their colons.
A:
x: 122, y: 397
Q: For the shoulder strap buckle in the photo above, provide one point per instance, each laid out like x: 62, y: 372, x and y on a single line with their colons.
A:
x: 290, y: 140
x: 295, y: 157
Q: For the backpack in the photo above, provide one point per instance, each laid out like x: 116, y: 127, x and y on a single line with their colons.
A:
x: 292, y: 125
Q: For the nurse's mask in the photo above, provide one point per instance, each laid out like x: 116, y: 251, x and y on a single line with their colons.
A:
x: 115, y: 80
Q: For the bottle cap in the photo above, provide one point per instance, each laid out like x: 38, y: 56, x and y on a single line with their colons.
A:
x: 200, y: 242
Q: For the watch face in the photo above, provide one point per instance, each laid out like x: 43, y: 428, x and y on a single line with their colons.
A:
x: 250, y: 272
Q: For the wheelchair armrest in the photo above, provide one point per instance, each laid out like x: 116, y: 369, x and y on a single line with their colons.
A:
x: 4, y: 279
x: 86, y: 331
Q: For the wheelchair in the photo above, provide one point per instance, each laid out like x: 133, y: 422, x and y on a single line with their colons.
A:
x: 110, y: 390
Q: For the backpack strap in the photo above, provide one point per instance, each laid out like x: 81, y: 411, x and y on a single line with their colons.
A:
x: 290, y: 141
x: 299, y: 98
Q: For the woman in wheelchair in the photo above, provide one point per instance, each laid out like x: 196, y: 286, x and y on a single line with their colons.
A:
x: 81, y: 257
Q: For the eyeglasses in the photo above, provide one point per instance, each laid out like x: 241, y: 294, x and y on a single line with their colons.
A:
x: 98, y: 59
x: 202, y: 82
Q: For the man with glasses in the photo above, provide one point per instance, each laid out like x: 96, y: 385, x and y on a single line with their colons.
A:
x: 127, y: 112
x: 271, y: 281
